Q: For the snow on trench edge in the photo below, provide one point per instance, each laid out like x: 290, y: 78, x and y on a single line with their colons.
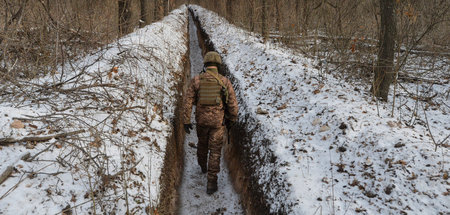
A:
x: 158, y: 57
x: 319, y: 145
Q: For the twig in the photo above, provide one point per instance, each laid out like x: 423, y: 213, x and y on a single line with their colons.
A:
x: 29, y: 159
x: 5, y: 141
x: 429, y: 129
x: 13, y: 187
x: 332, y: 182
x: 45, y: 173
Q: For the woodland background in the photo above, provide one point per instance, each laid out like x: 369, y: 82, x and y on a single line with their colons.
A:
x: 347, y: 37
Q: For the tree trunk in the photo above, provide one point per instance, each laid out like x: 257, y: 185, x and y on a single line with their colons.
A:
x: 383, y: 71
x: 159, y: 9
x: 229, y: 6
x: 305, y: 18
x: 277, y: 17
x: 264, y: 20
x: 124, y: 17
x: 250, y: 15
x: 165, y: 7
x: 145, y: 13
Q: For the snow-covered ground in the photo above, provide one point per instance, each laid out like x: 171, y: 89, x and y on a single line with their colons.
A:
x: 329, y: 148
x: 122, y: 101
x: 193, y: 197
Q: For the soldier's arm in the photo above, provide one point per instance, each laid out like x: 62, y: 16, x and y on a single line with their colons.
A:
x: 232, y: 106
x: 189, y: 100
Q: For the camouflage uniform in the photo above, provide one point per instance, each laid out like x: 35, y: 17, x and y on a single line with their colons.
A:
x: 210, y: 121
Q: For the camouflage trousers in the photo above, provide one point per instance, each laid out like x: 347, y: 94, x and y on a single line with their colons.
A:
x: 210, y: 140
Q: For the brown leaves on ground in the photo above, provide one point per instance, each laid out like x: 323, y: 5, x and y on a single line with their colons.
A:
x: 145, y: 138
x: 113, y: 70
x: 17, y: 124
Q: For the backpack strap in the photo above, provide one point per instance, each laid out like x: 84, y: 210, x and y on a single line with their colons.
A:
x: 221, y: 84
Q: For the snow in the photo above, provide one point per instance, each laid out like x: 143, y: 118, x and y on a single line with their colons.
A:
x: 125, y: 103
x: 336, y: 150
x: 319, y: 144
x: 193, y: 198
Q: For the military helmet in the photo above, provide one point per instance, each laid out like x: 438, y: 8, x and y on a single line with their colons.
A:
x: 212, y: 57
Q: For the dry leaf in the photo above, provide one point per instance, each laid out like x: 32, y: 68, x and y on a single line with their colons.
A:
x: 29, y: 145
x: 261, y: 111
x: 391, y: 124
x: 131, y: 133
x: 20, y: 166
x: 284, y: 106
x: 58, y: 145
x: 115, y: 69
x: 324, y: 128
x: 316, y: 91
x: 413, y: 177
x: 17, y: 124
x: 402, y: 162
x: 95, y: 144
x: 146, y: 138
x: 316, y: 122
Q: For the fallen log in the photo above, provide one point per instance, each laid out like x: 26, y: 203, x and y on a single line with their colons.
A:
x: 5, y: 141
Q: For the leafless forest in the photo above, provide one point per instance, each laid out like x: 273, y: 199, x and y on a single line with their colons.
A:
x: 348, y: 36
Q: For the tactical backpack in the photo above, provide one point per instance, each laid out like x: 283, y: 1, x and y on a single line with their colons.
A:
x: 212, y: 91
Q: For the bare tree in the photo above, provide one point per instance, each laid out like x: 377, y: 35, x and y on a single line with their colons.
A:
x: 250, y: 15
x: 159, y: 9
x: 145, y: 13
x: 124, y: 17
x: 383, y: 70
x: 264, y: 23
x: 277, y: 16
x: 229, y: 6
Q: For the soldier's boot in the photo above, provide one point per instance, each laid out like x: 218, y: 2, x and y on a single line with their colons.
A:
x: 211, y: 187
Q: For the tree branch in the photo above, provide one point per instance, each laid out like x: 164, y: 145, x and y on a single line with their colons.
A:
x: 5, y: 141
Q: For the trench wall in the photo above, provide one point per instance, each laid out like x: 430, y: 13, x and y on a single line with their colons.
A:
x: 174, y: 159
x: 237, y: 154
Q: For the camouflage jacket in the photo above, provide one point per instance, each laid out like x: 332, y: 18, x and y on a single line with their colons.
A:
x: 210, y: 116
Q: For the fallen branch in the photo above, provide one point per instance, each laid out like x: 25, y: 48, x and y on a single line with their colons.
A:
x: 82, y: 87
x: 5, y: 141
x: 6, y: 174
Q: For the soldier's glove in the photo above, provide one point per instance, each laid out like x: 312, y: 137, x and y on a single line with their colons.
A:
x: 188, y: 128
x: 229, y: 124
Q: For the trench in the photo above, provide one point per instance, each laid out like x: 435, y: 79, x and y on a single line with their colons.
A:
x: 192, y: 191
x: 183, y: 186
x: 242, y: 165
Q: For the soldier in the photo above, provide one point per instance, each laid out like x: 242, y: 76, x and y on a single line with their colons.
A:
x: 216, y: 108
